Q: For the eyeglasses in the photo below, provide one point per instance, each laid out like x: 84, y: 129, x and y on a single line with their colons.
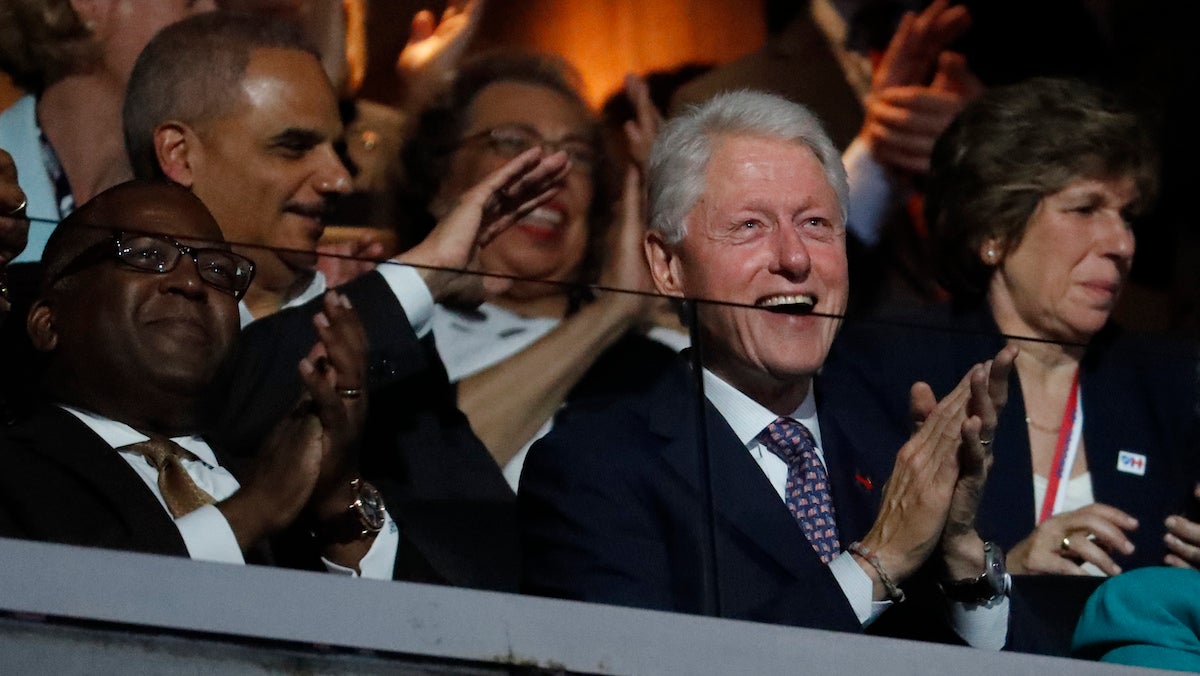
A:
x: 221, y: 269
x: 510, y: 140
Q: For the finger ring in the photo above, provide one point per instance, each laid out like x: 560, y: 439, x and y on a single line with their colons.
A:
x: 19, y: 212
x: 349, y: 392
x: 986, y: 442
x: 1065, y: 545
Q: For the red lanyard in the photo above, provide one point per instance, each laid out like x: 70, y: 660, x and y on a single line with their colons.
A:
x: 1069, y: 436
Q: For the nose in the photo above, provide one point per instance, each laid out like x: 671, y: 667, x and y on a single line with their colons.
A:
x: 331, y: 177
x: 790, y: 256
x: 185, y: 279
x: 1117, y: 241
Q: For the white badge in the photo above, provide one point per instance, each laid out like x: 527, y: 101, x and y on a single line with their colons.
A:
x: 1131, y: 463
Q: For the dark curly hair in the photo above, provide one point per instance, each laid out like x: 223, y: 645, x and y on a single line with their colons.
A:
x: 438, y: 130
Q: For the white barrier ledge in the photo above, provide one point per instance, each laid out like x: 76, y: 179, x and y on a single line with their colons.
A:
x: 133, y: 611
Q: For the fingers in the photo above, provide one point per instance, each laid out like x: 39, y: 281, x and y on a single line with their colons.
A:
x: 920, y: 403
x: 913, y: 50
x: 1183, y: 542
x: 955, y: 77
x: 641, y: 131
x: 1092, y: 534
x: 345, y: 340
x: 423, y: 23
x: 520, y: 186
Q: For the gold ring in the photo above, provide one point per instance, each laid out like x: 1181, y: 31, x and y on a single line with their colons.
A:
x: 349, y: 392
x: 1065, y: 545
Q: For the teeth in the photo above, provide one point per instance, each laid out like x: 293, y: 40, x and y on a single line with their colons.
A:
x: 778, y: 301
x: 551, y: 217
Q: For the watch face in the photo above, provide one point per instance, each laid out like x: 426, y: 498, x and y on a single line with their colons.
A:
x: 371, y: 507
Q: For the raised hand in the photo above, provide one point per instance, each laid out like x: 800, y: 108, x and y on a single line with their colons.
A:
x: 434, y: 49
x: 641, y: 131
x: 961, y: 546
x: 481, y: 213
x: 311, y: 453
x: 334, y: 375
x: 14, y: 227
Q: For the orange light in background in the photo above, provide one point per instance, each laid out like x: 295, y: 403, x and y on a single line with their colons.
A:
x: 607, y: 38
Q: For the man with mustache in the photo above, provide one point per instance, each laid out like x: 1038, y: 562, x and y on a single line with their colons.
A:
x: 238, y: 109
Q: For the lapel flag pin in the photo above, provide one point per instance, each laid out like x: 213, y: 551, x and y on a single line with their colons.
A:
x: 1131, y: 463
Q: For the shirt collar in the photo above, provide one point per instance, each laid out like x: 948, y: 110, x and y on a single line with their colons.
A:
x: 747, y: 417
x: 315, y: 288
x: 117, y: 434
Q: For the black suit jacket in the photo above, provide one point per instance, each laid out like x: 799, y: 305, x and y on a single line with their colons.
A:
x: 611, y: 511
x: 63, y: 483
x: 1139, y: 394
x: 440, y: 483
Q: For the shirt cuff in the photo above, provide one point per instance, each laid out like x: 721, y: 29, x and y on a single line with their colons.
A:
x: 858, y: 588
x: 981, y: 625
x: 412, y: 293
x: 871, y: 192
x: 208, y: 537
x: 379, y: 561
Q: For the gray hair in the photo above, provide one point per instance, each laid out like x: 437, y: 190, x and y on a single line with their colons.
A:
x: 675, y: 177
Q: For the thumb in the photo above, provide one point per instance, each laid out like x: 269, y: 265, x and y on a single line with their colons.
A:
x: 423, y: 25
x: 955, y: 76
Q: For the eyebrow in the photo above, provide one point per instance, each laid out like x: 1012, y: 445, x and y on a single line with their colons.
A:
x: 297, y: 136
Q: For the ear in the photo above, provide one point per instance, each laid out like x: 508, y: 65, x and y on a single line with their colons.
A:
x: 40, y: 326
x: 664, y: 264
x: 177, y: 149
x: 991, y: 251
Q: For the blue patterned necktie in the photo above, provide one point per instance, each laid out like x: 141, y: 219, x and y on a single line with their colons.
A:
x: 807, y: 493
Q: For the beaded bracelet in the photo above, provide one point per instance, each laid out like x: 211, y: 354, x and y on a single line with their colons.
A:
x: 894, y: 593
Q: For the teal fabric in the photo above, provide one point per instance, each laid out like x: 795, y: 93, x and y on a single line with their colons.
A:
x: 1148, y: 617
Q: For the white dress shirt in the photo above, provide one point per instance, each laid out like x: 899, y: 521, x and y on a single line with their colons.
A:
x: 205, y: 532
x: 980, y: 626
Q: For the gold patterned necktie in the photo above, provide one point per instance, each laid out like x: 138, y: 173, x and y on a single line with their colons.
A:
x: 179, y: 491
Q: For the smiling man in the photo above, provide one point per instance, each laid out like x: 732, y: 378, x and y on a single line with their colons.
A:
x: 134, y: 325
x: 237, y: 108
x: 747, y: 202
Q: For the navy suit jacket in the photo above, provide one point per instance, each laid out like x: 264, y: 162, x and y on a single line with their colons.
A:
x: 1139, y: 394
x: 611, y: 511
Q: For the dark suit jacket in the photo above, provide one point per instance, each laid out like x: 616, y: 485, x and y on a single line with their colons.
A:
x: 441, y: 484
x: 1139, y: 394
x: 611, y: 511
x: 62, y: 483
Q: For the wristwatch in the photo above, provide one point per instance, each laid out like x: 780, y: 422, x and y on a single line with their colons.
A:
x: 363, y: 518
x: 991, y: 585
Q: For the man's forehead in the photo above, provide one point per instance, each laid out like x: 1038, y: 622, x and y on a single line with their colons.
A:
x: 165, y: 210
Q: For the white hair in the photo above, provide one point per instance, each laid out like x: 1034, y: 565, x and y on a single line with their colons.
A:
x: 679, y: 159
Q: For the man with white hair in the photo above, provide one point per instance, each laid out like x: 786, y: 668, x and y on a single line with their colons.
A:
x: 747, y: 199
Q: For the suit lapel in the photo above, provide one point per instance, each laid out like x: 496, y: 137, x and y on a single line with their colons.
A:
x: 855, y: 478
x: 60, y: 436
x: 742, y: 496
